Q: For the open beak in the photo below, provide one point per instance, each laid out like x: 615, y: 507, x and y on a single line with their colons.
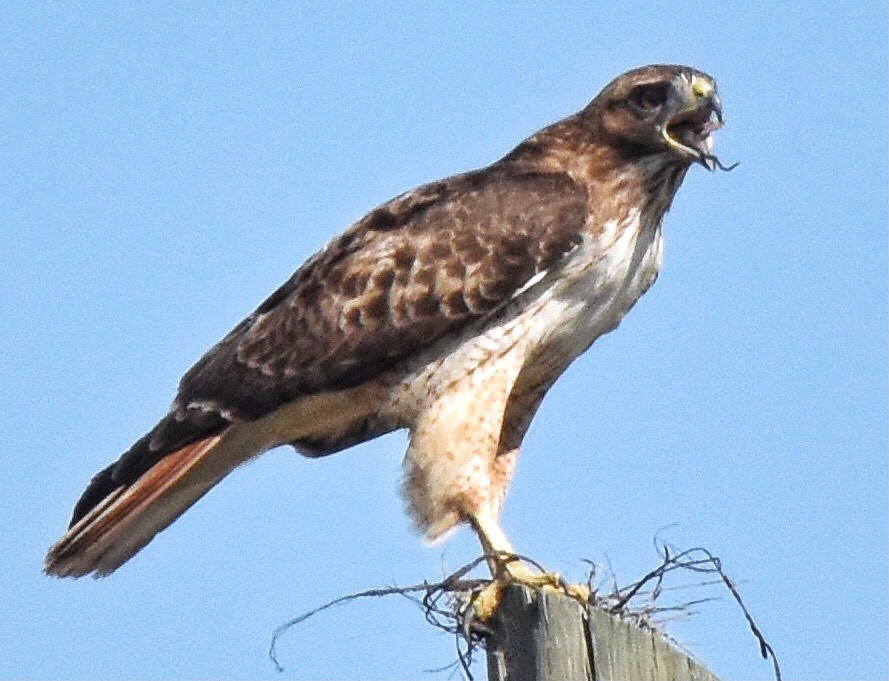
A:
x: 689, y: 130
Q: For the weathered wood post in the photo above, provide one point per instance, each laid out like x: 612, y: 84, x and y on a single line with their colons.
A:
x: 546, y: 636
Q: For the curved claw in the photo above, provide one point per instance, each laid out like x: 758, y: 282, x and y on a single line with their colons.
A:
x: 484, y: 603
x: 467, y: 618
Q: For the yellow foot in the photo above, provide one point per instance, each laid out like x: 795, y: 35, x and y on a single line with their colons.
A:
x: 488, y: 599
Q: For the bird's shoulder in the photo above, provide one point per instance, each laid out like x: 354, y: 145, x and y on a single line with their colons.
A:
x: 416, y: 268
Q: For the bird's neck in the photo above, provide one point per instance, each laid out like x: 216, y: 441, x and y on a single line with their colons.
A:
x: 617, y: 179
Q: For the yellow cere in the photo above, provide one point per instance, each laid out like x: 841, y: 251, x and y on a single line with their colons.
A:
x: 701, y: 86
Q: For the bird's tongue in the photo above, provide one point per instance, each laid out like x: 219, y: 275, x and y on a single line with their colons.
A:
x: 694, y: 129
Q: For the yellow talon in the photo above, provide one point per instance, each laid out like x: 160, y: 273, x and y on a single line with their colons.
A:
x: 488, y: 599
x: 507, y: 569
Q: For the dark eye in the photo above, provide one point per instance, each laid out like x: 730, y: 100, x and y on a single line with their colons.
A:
x: 649, y: 97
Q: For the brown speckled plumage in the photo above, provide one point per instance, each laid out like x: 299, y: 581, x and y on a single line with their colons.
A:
x: 449, y: 311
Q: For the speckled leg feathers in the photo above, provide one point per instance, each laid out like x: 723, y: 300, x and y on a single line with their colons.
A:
x: 454, y: 468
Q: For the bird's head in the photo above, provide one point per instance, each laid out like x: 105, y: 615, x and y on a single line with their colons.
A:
x: 664, y: 110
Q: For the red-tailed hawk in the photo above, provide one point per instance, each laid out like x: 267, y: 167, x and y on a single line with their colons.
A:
x: 448, y: 311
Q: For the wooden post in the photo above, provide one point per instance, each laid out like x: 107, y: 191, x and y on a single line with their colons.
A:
x: 546, y: 636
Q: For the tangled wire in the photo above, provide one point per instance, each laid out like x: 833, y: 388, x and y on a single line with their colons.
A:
x: 448, y: 604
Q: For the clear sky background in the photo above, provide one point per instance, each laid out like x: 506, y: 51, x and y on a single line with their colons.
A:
x: 165, y: 166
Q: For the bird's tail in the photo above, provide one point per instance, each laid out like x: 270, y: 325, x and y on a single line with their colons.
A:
x: 129, y: 516
x: 151, y: 485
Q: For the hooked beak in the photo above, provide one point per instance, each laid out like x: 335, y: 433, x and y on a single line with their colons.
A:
x: 688, y: 130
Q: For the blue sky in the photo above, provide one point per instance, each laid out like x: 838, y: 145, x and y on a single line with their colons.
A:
x: 165, y: 166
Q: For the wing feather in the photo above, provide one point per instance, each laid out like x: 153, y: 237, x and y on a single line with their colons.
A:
x: 422, y: 266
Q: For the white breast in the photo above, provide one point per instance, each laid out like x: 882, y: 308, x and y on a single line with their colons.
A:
x: 593, y: 290
x: 550, y: 321
x: 611, y: 272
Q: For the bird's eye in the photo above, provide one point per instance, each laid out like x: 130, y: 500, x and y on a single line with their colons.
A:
x: 649, y: 97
